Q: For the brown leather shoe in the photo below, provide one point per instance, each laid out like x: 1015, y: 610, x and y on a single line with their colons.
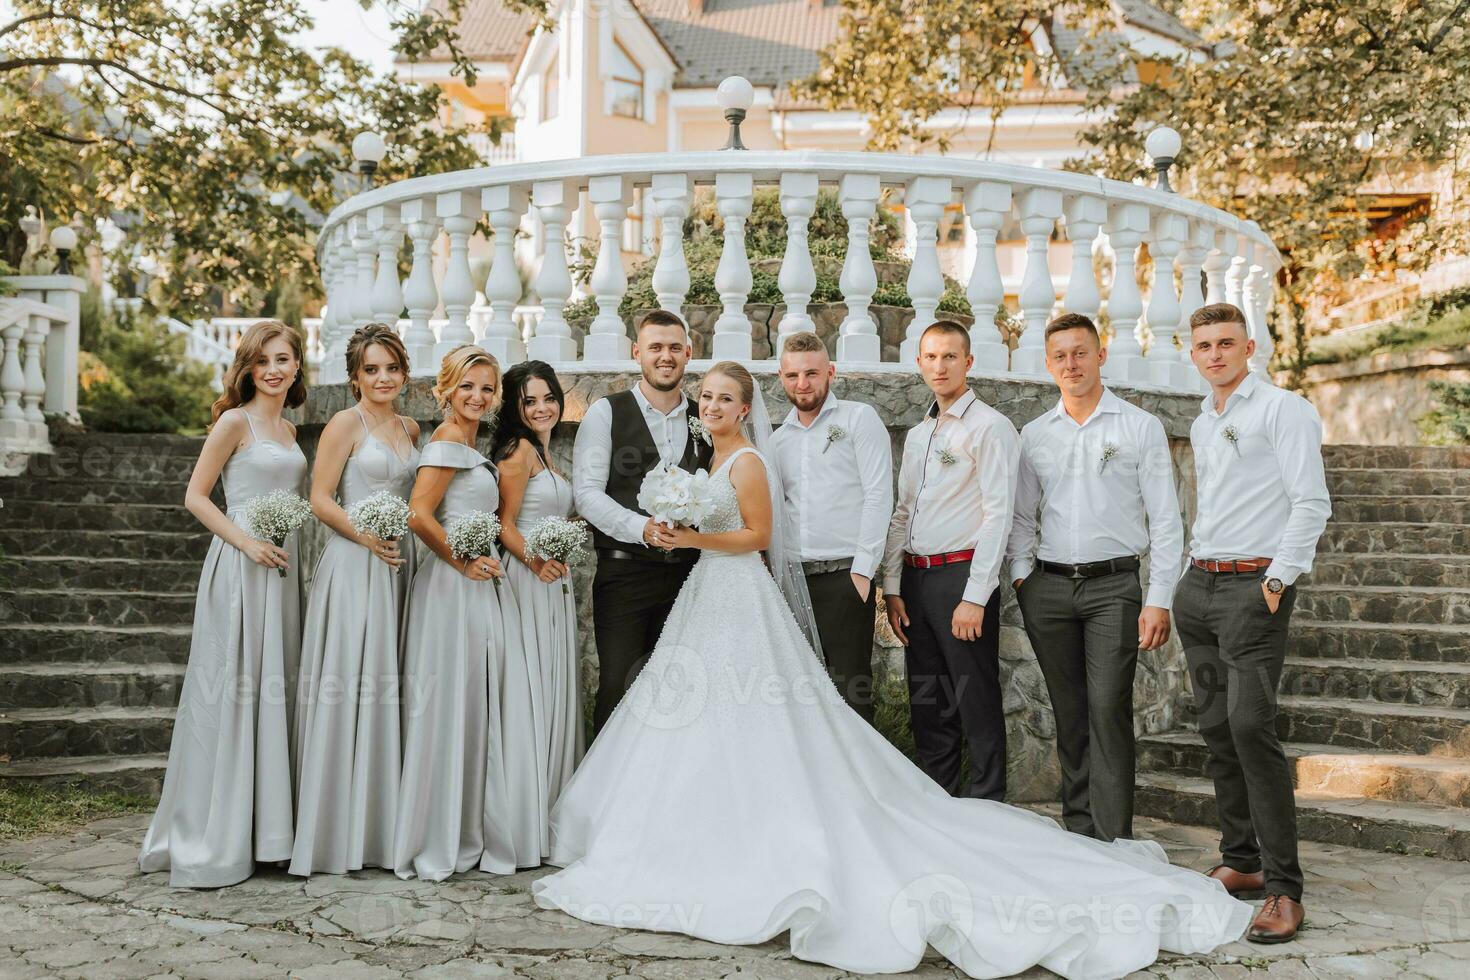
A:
x: 1277, y: 922
x: 1239, y: 883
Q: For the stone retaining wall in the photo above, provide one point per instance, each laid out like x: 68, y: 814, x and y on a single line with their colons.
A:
x: 1376, y: 401
x: 900, y: 399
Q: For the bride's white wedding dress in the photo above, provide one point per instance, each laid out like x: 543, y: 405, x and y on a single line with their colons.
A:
x: 733, y: 796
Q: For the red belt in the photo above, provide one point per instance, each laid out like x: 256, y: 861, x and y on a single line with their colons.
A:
x: 930, y: 561
x: 1228, y: 566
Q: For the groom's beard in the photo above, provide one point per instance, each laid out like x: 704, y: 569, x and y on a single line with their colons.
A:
x: 809, y: 402
x: 657, y: 385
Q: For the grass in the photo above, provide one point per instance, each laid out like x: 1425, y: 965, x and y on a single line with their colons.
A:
x: 1418, y: 331
x: 30, y: 810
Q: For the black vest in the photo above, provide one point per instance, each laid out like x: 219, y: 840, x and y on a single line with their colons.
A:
x: 633, y: 456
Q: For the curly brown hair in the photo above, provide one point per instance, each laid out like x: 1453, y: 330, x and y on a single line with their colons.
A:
x: 239, y: 386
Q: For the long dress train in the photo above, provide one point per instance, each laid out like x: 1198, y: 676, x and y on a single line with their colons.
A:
x: 733, y: 796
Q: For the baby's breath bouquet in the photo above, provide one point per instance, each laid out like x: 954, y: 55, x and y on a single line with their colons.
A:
x: 383, y: 514
x: 558, y: 539
x: 273, y: 516
x: 474, y: 536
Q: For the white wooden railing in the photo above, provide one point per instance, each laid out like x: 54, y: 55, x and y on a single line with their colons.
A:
x: 358, y: 247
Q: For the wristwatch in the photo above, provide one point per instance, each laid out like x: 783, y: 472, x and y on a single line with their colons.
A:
x: 1274, y: 585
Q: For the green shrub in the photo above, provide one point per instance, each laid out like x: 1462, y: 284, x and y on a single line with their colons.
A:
x: 1449, y: 423
x: 143, y: 382
x: 1437, y: 321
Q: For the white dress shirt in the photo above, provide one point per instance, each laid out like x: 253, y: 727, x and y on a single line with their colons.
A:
x: 838, y: 476
x: 1103, y: 488
x: 592, y: 458
x: 956, y: 506
x: 1260, y: 485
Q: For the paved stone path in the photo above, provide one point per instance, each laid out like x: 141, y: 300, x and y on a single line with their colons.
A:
x: 76, y: 906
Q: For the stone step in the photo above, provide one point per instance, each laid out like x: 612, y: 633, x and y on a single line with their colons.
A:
x: 183, y: 545
x: 1406, y: 509
x: 1396, y: 457
x: 1380, y: 641
x: 87, y: 572
x: 1418, y: 571
x: 131, y: 775
x: 100, y: 517
x: 1376, y: 825
x: 90, y: 685
x: 1391, y: 483
x: 1385, y: 681
x: 70, y: 643
x: 91, y: 491
x: 31, y: 733
x: 1408, y: 729
x: 107, y: 462
x: 1356, y: 537
x: 1383, y: 604
x: 99, y: 607
x: 1329, y: 769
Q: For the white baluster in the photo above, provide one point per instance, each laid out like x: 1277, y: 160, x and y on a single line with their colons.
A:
x: 387, y: 298
x: 859, y: 343
x: 35, y: 385
x: 505, y: 204
x: 1257, y: 296
x: 554, y: 201
x: 798, y: 278
x: 458, y: 211
x: 1239, y: 269
x: 1127, y: 224
x: 62, y: 343
x: 335, y: 357
x: 671, y: 198
x: 733, y: 197
x: 988, y: 205
x: 1217, y: 265
x: 1039, y: 209
x: 419, y: 292
x: 14, y: 430
x: 1085, y: 216
x: 1170, y: 232
x: 925, y: 198
x: 1191, y: 297
x: 327, y: 266
x: 365, y: 247
x: 607, y: 339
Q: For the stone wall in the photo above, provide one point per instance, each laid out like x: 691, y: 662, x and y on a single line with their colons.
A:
x: 1376, y: 401
x: 900, y: 399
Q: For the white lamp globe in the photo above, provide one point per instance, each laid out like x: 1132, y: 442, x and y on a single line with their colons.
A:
x: 735, y: 93
x: 63, y: 238
x: 368, y: 147
x: 1162, y: 144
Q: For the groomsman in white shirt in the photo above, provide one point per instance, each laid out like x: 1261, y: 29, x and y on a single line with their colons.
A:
x: 836, y: 465
x: 1097, y: 489
x: 1262, y: 504
x: 941, y: 578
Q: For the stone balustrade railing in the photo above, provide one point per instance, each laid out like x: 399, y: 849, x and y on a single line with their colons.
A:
x: 40, y: 327
x: 1218, y: 256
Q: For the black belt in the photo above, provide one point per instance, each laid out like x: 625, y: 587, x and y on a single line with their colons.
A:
x: 1092, y: 569
x: 825, y: 566
x: 655, y: 555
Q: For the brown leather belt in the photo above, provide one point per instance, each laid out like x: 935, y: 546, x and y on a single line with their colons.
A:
x: 933, y: 561
x: 1232, y: 566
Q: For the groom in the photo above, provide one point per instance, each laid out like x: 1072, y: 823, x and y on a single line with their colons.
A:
x: 622, y: 438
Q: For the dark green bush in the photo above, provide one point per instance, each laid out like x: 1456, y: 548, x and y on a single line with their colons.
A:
x: 1449, y: 423
x: 144, y: 383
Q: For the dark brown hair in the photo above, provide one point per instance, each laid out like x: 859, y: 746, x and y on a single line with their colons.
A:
x: 1072, y: 321
x: 239, y: 386
x: 1219, y: 313
x: 663, y: 318
x: 947, y: 327
x: 365, y: 336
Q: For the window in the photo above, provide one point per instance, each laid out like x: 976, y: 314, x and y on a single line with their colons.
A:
x: 551, y: 91
x: 626, y: 84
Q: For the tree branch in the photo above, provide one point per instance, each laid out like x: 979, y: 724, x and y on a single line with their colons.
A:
x: 1444, y: 28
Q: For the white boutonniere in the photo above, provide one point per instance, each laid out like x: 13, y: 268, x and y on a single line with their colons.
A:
x: 1109, y: 452
x: 1232, y: 437
x: 698, y: 431
x: 946, y: 458
x: 835, y: 433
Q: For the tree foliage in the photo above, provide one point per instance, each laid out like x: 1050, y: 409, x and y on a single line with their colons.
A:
x: 206, y: 130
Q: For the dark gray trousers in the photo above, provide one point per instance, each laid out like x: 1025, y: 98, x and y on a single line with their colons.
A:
x: 845, y: 627
x: 1085, y: 635
x: 1235, y: 647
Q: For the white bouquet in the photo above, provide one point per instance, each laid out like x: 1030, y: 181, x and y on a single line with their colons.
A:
x: 558, y: 539
x: 474, y: 535
x: 383, y: 514
x: 273, y: 516
x: 674, y: 496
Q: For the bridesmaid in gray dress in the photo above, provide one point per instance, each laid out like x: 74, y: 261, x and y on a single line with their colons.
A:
x: 531, y: 490
x: 470, y: 790
x: 348, y: 698
x: 226, y: 801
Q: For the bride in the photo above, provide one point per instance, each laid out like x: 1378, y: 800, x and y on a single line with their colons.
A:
x: 733, y: 796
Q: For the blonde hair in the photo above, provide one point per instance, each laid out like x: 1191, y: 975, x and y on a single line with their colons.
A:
x: 455, y: 366
x: 737, y: 373
x: 238, y: 384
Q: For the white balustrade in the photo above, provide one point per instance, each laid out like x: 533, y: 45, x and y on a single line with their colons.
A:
x: 1127, y: 224
x: 858, y: 342
x: 1192, y: 259
x: 365, y: 250
x: 553, y: 201
x: 1256, y: 295
x: 988, y: 204
x: 506, y: 205
x: 798, y: 278
x: 671, y: 201
x: 39, y: 328
x: 925, y: 198
x: 387, y: 298
x: 1039, y: 207
x: 607, y: 338
x: 734, y: 194
x: 457, y: 211
x: 1085, y: 217
x: 1169, y: 234
x: 419, y: 293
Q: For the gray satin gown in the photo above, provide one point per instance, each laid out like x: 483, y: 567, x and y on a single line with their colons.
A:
x: 226, y: 801
x: 349, y: 694
x: 470, y: 792
x: 550, y: 616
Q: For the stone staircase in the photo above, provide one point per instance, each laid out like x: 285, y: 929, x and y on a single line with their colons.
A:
x: 1375, y: 694
x: 99, y: 561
